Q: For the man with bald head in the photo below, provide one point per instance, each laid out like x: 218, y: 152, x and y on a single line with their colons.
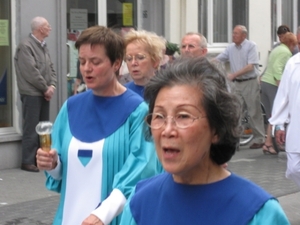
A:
x: 36, y: 81
x: 193, y: 44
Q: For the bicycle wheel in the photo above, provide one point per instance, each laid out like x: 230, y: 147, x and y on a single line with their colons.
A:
x: 247, y: 135
x: 245, y: 139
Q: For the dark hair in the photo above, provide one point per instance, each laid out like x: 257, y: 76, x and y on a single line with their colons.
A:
x: 100, y: 35
x: 222, y: 107
x: 283, y: 29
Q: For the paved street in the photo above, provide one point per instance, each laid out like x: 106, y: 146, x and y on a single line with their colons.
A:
x: 24, y: 199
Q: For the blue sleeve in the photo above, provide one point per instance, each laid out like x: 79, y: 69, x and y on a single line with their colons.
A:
x: 270, y: 214
x: 142, y: 161
x: 60, y: 134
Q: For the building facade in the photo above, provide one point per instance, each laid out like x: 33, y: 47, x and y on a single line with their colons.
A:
x: 169, y: 18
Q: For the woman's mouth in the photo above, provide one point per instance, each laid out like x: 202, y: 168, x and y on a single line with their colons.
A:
x: 170, y: 153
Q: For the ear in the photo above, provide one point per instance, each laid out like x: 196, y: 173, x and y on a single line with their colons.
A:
x: 155, y: 64
x: 214, y: 139
x: 117, y: 64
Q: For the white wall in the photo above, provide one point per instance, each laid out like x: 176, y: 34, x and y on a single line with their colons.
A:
x: 260, y: 27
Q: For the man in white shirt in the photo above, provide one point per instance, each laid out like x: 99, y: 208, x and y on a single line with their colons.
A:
x: 285, y: 116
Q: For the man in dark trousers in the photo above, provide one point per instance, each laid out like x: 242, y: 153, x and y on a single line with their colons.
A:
x: 36, y: 81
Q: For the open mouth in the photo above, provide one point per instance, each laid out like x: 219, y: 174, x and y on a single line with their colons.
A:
x: 170, y: 152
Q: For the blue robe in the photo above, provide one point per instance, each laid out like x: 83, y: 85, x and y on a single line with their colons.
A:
x: 231, y: 201
x: 101, y: 147
x: 136, y: 88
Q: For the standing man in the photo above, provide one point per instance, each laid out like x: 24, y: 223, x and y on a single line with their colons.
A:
x: 285, y: 114
x: 36, y: 81
x: 193, y: 44
x: 243, y: 58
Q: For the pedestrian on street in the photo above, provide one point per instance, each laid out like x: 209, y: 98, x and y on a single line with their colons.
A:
x: 243, y: 58
x: 194, y: 121
x: 98, y: 152
x: 285, y: 116
x: 270, y: 80
x: 36, y: 80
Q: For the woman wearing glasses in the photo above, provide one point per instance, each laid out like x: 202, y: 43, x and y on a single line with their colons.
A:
x: 98, y: 152
x: 194, y: 121
x: 143, y: 53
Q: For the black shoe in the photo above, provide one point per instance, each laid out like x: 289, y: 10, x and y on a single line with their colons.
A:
x: 29, y: 167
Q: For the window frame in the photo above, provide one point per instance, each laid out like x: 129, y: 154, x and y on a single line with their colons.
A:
x: 210, y: 20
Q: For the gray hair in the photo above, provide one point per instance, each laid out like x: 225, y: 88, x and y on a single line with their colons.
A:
x: 298, y: 30
x: 37, y: 22
x: 243, y: 29
x: 222, y: 108
x: 203, y: 41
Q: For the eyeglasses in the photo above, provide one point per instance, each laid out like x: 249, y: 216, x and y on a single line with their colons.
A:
x: 138, y: 57
x: 181, y: 120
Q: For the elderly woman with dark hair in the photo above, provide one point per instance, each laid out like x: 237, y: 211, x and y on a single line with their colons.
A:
x: 194, y: 121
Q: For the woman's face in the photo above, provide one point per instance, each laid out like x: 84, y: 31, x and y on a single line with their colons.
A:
x: 183, y: 152
x: 96, y: 68
x: 139, y: 63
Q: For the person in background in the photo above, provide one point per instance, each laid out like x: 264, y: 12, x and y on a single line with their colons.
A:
x: 36, y: 80
x: 281, y: 31
x: 195, y: 123
x: 143, y: 54
x: 193, y: 44
x: 96, y: 161
x: 79, y: 85
x: 243, y: 58
x: 271, y: 79
x: 285, y: 116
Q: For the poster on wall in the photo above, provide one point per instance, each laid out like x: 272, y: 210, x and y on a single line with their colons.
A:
x: 4, y: 41
x: 78, y: 19
x: 3, y: 85
x: 127, y: 14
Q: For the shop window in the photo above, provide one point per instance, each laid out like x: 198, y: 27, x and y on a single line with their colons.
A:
x: 6, y: 113
x: 121, y: 15
x: 81, y: 14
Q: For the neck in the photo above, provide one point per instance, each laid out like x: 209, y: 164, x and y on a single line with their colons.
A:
x: 205, y: 174
x: 143, y: 81
x: 113, y: 89
x: 38, y: 36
